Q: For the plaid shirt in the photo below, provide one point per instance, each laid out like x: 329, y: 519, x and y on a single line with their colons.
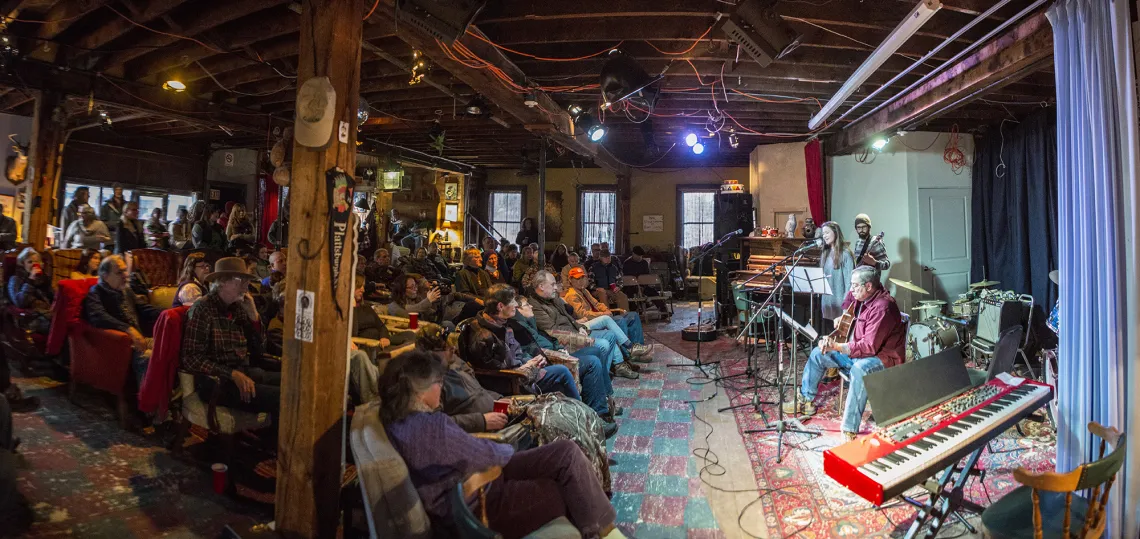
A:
x: 216, y: 338
x: 878, y: 252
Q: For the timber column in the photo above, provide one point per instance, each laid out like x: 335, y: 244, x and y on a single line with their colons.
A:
x: 316, y: 340
x: 48, y: 127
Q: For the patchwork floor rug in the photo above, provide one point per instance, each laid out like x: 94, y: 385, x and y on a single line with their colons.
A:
x: 801, y: 500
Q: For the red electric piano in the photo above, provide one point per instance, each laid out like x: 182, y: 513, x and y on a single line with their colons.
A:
x: 890, y: 460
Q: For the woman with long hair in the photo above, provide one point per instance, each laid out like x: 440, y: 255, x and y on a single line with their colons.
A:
x: 412, y: 294
x: 204, y: 232
x: 838, y: 263
x: 537, y: 485
x: 191, y: 282
x: 239, y: 230
x: 180, y: 228
x: 88, y: 264
x: 560, y: 258
x: 528, y: 233
x: 156, y: 234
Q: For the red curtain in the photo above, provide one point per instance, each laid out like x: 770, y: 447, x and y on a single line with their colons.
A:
x: 269, y: 193
x: 813, y: 158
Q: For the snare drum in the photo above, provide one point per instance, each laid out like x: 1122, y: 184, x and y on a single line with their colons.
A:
x: 965, y: 308
x: 930, y: 337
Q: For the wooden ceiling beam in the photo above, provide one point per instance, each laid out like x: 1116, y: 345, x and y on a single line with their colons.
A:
x: 119, y: 26
x: 1017, y: 52
x: 133, y: 96
x: 202, y: 21
x: 274, y: 49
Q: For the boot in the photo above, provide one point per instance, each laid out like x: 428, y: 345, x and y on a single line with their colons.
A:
x: 625, y: 371
x: 806, y: 407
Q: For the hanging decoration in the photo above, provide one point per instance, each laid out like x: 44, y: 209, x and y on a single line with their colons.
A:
x: 420, y: 67
x: 340, y: 187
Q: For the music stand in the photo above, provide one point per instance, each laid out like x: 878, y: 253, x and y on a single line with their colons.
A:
x: 809, y: 280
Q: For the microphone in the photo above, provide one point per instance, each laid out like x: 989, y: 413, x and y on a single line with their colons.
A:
x: 736, y: 232
x: 818, y: 242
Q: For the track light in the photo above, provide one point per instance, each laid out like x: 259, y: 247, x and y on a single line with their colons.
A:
x: 174, y: 85
x: 574, y: 110
x: 530, y: 99
x: 589, y: 124
x: 879, y: 143
x: 733, y: 140
x: 476, y: 107
x: 691, y: 139
x: 698, y: 148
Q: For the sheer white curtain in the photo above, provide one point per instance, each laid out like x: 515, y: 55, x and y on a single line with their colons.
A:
x: 1097, y: 230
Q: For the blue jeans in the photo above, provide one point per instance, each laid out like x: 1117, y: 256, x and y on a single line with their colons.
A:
x: 630, y: 323
x: 557, y: 379
x: 607, y: 323
x: 856, y: 368
x: 596, y: 384
x: 606, y: 347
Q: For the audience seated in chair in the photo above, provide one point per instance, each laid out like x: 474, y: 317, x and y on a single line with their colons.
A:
x: 486, y: 342
x: 381, y: 270
x: 88, y: 265
x: 277, y: 266
x: 111, y: 304
x: 606, y: 275
x: 552, y: 315
x: 413, y: 294
x: 30, y: 289
x: 471, y: 284
x: 462, y: 397
x: 222, y: 346
x: 537, y: 485
x: 192, y: 280
x: 593, y: 372
x: 595, y: 315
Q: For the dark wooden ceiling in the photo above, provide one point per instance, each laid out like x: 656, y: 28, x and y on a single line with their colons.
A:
x: 243, y: 53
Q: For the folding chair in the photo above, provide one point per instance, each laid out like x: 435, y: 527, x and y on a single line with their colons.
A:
x: 635, y: 294
x: 652, y: 281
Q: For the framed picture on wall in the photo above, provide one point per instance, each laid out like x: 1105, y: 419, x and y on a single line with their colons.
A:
x: 451, y: 211
x: 451, y: 191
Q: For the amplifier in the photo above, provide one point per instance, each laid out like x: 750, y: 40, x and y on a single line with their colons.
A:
x: 995, y: 315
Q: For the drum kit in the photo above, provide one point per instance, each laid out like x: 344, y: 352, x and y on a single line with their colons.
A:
x: 929, y: 331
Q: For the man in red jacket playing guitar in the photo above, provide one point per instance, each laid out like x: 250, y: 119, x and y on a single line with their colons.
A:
x: 878, y: 342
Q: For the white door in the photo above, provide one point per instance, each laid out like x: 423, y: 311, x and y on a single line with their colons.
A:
x: 944, y: 229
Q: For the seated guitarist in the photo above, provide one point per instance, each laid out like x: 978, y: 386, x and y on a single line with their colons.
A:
x: 878, y: 342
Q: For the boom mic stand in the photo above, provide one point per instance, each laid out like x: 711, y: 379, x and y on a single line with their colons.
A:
x: 780, y: 426
x: 701, y: 302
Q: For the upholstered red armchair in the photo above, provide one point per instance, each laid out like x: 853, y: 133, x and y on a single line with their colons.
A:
x: 100, y: 358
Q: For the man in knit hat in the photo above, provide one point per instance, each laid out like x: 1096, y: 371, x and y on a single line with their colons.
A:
x: 876, y: 255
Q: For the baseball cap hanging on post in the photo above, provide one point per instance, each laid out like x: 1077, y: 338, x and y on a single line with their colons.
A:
x: 316, y: 101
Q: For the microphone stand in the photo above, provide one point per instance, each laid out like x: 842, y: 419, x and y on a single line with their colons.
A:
x: 780, y: 426
x: 701, y: 302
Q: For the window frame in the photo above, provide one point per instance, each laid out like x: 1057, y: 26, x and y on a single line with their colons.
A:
x: 692, y: 188
x: 579, y: 229
x: 519, y: 189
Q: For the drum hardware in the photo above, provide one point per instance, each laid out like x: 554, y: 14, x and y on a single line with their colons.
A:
x: 984, y: 284
x: 931, y: 336
x: 932, y: 302
x: 908, y: 285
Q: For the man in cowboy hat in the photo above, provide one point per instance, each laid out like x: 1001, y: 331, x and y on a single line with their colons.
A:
x: 220, y: 341
x: 111, y: 304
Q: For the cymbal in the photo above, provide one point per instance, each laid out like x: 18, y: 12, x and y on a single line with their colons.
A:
x: 908, y: 285
x: 1055, y: 276
x: 920, y: 307
x: 932, y: 302
x: 984, y: 284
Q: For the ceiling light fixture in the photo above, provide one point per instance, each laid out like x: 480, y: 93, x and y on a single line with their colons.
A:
x: 690, y: 139
x: 907, y: 28
x: 530, y: 99
x: 589, y: 124
x: 174, y: 85
x: 475, y: 107
x: 879, y: 143
x: 698, y: 148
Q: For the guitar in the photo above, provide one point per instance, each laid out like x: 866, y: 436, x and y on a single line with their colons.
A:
x: 842, y: 333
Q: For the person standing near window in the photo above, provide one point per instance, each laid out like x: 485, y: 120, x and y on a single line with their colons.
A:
x: 528, y: 233
x: 112, y: 211
x: 71, y: 211
x: 180, y: 229
x: 130, y: 234
x: 156, y: 233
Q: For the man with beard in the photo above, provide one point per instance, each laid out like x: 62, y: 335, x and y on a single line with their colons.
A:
x: 876, y: 256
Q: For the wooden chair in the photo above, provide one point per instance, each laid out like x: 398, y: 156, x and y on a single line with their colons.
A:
x: 470, y: 526
x: 1045, y: 505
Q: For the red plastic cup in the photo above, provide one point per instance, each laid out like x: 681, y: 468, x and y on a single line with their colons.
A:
x: 613, y: 286
x: 413, y: 320
x: 219, y: 477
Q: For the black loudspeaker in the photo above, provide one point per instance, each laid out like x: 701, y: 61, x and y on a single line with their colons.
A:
x: 760, y: 31
x: 733, y: 211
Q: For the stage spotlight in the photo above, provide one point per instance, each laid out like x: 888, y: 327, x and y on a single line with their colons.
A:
x: 879, y: 143
x: 691, y: 139
x: 698, y: 148
x: 589, y: 124
x: 623, y: 78
x: 574, y: 111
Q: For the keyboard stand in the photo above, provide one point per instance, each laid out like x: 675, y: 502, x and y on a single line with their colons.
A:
x: 945, y: 502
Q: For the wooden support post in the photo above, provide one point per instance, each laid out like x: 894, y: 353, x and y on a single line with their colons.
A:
x: 541, y: 224
x: 624, y: 219
x: 313, y: 372
x: 48, y: 128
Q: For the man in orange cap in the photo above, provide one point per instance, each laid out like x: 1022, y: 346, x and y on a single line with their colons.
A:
x: 595, y: 315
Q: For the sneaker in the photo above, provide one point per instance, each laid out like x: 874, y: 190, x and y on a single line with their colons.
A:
x: 632, y: 365
x: 625, y: 371
x: 615, y: 410
x: 806, y: 407
x: 849, y: 435
x: 609, y: 429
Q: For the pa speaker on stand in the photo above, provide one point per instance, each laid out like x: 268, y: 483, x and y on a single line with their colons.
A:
x: 733, y: 212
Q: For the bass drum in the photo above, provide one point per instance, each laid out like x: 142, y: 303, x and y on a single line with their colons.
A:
x: 930, y: 337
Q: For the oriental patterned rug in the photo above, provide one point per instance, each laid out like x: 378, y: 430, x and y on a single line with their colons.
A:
x: 806, y: 502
